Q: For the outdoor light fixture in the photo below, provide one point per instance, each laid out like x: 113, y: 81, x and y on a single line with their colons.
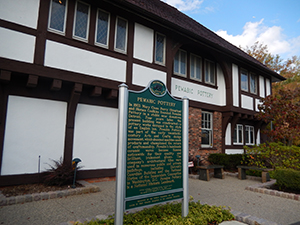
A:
x: 75, y: 161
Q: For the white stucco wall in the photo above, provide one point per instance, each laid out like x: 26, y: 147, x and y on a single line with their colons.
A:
x: 95, y: 136
x: 268, y: 87
x: 17, y: 46
x: 142, y: 75
x: 73, y: 59
x: 258, y: 137
x: 20, y: 11
x: 247, y: 102
x: 234, y: 151
x: 143, y: 43
x: 228, y: 135
x: 235, y: 85
x: 200, y: 93
x: 34, y: 127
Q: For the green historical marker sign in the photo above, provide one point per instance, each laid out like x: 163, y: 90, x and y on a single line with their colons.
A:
x: 152, y: 160
x: 154, y: 147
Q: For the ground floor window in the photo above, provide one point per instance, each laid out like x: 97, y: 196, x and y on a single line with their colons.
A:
x: 249, y: 135
x: 207, y: 129
x: 238, y: 134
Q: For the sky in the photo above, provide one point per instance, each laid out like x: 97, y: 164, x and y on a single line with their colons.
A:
x: 275, y: 23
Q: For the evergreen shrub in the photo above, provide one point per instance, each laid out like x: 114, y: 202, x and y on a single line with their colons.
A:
x: 230, y: 162
x: 287, y: 179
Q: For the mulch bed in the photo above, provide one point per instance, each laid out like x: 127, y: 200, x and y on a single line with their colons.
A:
x: 24, y: 189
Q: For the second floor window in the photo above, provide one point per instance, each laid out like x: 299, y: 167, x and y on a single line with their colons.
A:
x: 244, y: 80
x: 121, y: 35
x: 160, y: 48
x: 196, y: 67
x: 81, y: 21
x: 207, y: 129
x: 253, y: 83
x: 209, y: 72
x: 57, y: 14
x: 102, y: 28
x: 180, y: 63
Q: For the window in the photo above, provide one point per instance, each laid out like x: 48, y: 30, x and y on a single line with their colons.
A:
x: 253, y: 83
x: 249, y: 135
x: 121, y: 35
x: 57, y: 20
x: 180, y: 63
x: 196, y: 67
x: 102, y: 28
x: 81, y: 20
x: 244, y: 80
x: 160, y: 48
x: 238, y: 134
x: 209, y: 72
x: 207, y: 128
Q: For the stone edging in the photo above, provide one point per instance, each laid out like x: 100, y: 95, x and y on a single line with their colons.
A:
x: 20, y: 199
x: 263, y: 189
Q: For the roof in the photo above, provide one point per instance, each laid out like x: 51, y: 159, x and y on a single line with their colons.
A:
x: 157, y: 9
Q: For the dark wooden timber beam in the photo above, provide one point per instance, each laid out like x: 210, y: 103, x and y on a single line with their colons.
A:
x: 112, y: 94
x: 5, y: 76
x: 32, y: 81
x: 56, y: 85
x: 97, y: 91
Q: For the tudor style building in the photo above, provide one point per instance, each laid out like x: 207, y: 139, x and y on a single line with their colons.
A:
x: 61, y: 62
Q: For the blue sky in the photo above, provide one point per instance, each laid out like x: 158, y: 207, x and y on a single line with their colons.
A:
x: 275, y: 23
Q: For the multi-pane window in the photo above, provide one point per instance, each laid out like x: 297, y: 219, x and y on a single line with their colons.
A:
x: 102, y: 28
x: 238, y: 134
x: 121, y: 35
x: 81, y: 20
x: 160, y: 48
x: 209, y: 69
x: 253, y: 83
x: 249, y: 135
x: 180, y: 63
x: 195, y: 67
x: 244, y: 80
x: 57, y: 19
x: 207, y: 129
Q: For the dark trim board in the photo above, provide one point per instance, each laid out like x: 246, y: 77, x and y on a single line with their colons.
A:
x: 9, y: 180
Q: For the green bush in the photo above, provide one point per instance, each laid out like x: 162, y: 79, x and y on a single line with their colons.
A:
x: 274, y: 155
x: 229, y: 162
x: 171, y: 214
x: 255, y: 173
x: 287, y: 178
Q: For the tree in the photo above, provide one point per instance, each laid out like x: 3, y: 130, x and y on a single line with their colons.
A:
x: 283, y: 110
x: 290, y: 69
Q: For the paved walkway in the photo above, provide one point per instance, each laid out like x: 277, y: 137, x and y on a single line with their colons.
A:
x: 226, y: 192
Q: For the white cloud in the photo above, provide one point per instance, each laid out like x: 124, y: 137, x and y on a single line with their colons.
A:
x: 185, y: 5
x: 273, y: 37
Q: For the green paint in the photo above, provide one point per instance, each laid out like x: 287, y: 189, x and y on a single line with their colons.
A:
x: 154, y: 144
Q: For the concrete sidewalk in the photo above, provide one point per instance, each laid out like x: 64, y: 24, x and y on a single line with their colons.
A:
x: 226, y: 192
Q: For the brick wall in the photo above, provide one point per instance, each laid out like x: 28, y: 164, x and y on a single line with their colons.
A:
x: 195, y: 135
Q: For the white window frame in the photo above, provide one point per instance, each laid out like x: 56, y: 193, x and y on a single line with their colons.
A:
x: 180, y: 62
x: 208, y: 70
x: 65, y: 19
x: 239, y: 140
x: 209, y: 128
x: 116, y: 35
x: 253, y: 77
x: 193, y: 60
x: 96, y: 29
x: 88, y: 22
x: 249, y: 131
x: 163, y: 62
x: 244, y: 87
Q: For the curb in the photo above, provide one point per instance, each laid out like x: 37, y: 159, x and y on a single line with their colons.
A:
x: 21, y: 199
x: 263, y: 189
